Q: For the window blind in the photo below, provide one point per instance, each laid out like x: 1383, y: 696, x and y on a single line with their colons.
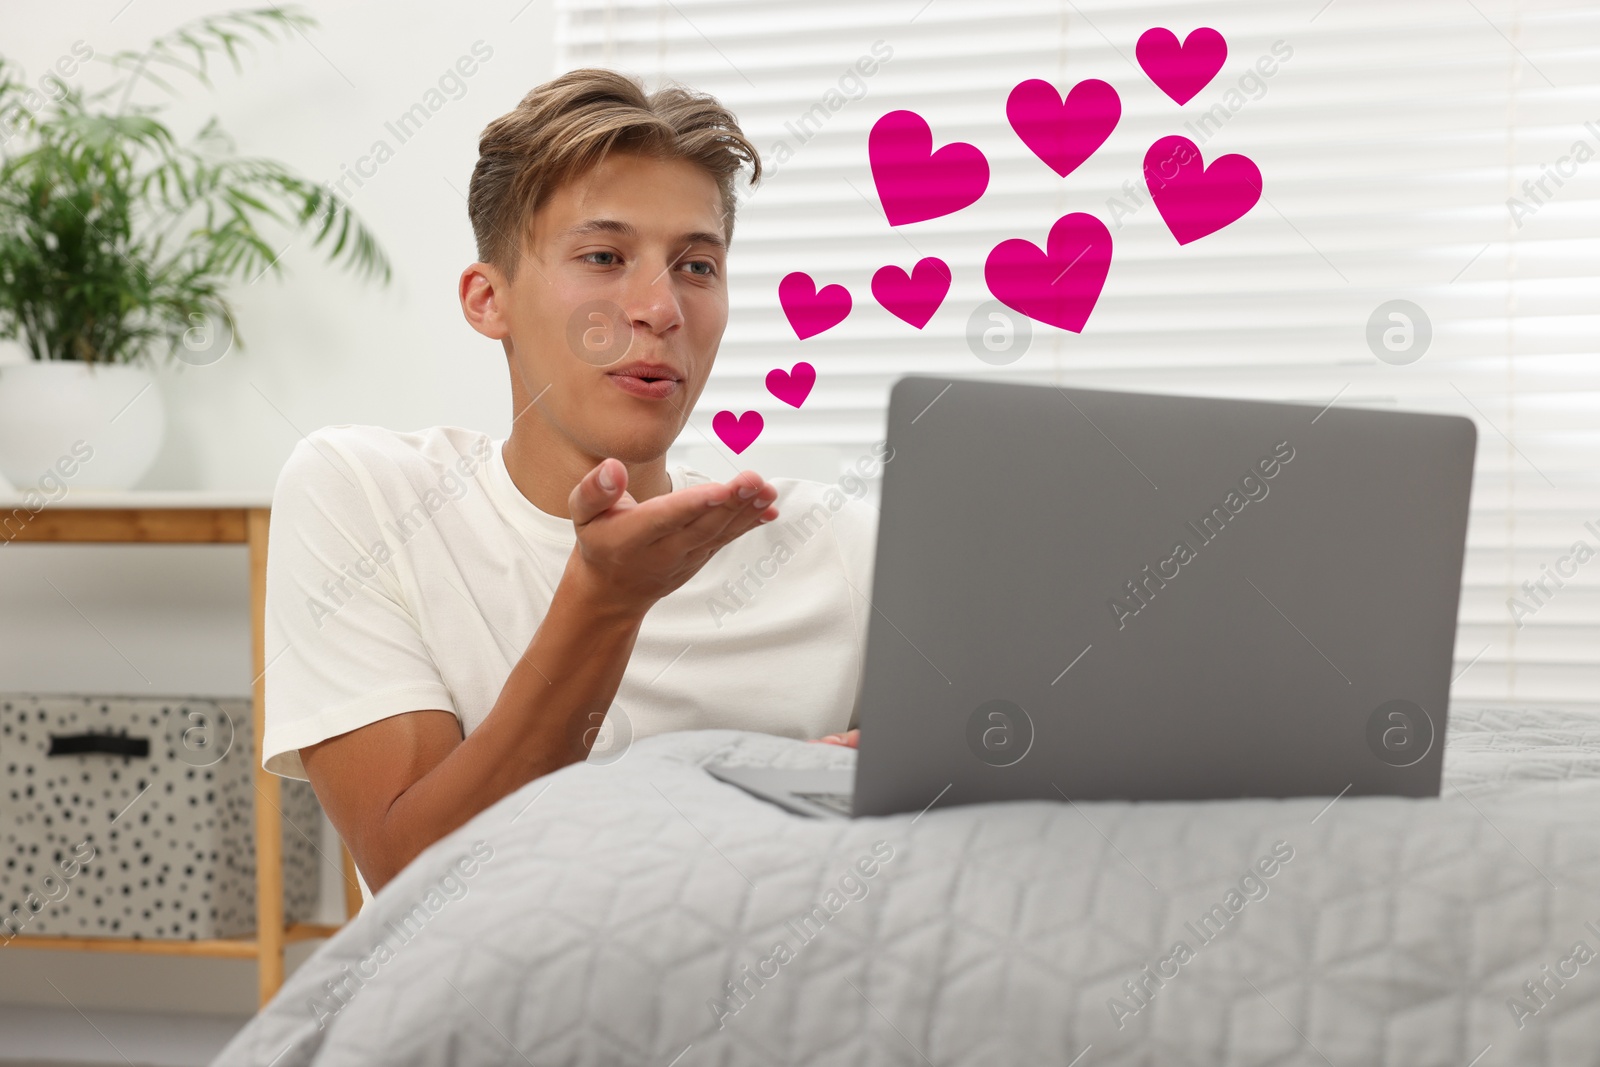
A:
x: 1436, y: 153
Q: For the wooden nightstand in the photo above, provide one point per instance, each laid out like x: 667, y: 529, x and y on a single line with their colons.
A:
x: 192, y: 517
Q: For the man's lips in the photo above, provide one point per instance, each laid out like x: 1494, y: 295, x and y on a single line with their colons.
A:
x: 646, y: 369
x: 637, y: 385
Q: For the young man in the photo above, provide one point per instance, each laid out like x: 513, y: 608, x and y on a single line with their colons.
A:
x: 450, y: 616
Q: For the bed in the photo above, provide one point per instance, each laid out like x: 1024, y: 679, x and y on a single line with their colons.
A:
x: 641, y: 912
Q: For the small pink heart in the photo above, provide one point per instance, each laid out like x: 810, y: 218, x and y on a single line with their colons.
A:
x: 737, y: 432
x: 1180, y: 71
x: 1195, y: 199
x: 792, y: 386
x: 811, y: 310
x: 914, y: 297
x: 1063, y: 133
x: 916, y: 183
x: 1058, y: 286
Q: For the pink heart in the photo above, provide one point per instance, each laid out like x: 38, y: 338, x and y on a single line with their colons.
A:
x: 1063, y: 133
x: 1180, y: 71
x: 792, y: 387
x: 1058, y: 286
x: 915, y: 182
x: 737, y: 433
x: 1193, y: 198
x: 914, y: 297
x: 811, y: 310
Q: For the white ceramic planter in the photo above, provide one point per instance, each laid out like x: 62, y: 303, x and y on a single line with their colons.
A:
x: 102, y: 422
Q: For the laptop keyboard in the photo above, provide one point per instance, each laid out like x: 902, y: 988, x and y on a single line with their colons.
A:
x: 836, y: 802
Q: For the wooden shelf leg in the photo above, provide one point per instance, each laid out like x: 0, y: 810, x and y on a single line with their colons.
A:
x: 268, y: 816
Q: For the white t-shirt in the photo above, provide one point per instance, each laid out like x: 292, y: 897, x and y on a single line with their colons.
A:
x: 406, y: 571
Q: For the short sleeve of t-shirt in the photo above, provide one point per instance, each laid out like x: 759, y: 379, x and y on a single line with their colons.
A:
x: 343, y: 648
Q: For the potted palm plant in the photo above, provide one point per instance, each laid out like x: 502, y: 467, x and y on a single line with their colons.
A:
x: 118, y: 241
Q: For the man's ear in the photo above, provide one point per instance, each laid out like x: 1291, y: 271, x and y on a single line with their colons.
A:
x: 481, y: 288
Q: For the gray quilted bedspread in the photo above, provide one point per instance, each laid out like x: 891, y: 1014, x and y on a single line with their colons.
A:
x: 642, y: 912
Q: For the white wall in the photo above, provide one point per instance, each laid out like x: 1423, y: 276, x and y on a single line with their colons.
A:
x: 322, y: 348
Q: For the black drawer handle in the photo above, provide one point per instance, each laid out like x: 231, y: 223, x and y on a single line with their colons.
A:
x: 109, y: 744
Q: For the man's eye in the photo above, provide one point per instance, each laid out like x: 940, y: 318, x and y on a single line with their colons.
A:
x: 710, y: 268
x: 586, y: 255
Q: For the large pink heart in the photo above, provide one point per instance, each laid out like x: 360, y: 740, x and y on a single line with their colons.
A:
x: 916, y: 296
x: 1193, y: 198
x: 792, y: 386
x: 810, y: 310
x: 1180, y: 71
x: 737, y: 433
x: 915, y: 182
x: 1063, y: 133
x: 1060, y: 285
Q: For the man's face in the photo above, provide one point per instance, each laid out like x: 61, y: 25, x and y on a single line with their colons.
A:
x: 625, y: 265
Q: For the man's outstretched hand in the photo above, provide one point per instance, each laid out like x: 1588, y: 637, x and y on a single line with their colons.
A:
x: 848, y: 739
x: 634, y: 553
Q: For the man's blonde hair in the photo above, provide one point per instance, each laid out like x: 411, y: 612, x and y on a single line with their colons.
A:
x: 566, y: 126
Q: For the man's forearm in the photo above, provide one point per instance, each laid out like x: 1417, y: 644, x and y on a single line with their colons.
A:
x: 545, y: 718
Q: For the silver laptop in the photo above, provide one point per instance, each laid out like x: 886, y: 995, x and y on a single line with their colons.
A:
x: 1082, y: 594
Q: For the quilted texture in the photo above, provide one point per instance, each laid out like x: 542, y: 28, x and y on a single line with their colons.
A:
x: 620, y: 901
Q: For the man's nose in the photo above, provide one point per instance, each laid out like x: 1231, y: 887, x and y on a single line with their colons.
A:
x: 650, y: 297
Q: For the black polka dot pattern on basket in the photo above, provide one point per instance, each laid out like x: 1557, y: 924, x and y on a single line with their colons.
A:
x: 101, y: 842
